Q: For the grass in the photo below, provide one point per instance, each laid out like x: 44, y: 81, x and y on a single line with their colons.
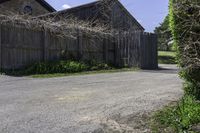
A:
x: 53, y: 75
x: 179, y: 118
x: 166, y: 57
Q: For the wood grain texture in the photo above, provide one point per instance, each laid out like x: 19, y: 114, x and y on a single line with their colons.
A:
x: 21, y: 47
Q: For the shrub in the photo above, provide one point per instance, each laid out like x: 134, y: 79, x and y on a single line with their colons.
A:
x: 56, y: 67
x: 178, y: 118
x: 185, y: 27
x: 94, y: 65
x: 61, y: 67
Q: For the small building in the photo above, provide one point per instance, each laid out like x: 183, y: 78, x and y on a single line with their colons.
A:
x: 128, y: 46
x: 31, y: 7
x: 113, y: 14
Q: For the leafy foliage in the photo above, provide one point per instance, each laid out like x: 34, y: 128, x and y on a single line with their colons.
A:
x: 177, y: 118
x: 185, y: 27
x: 59, y: 67
x: 56, y: 67
x: 64, y: 67
x: 164, y: 35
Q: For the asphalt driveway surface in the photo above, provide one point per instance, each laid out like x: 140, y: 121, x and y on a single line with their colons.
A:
x: 78, y: 104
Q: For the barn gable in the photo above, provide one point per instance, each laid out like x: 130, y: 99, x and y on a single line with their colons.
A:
x: 31, y: 7
x: 118, y: 17
x: 124, y: 18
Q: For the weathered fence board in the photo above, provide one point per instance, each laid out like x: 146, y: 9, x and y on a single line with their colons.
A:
x: 0, y: 50
x: 20, y: 47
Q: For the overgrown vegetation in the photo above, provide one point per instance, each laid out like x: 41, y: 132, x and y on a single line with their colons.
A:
x: 178, y: 118
x: 59, y: 67
x: 185, y: 27
x: 166, y: 57
x: 65, y: 68
x: 56, y: 67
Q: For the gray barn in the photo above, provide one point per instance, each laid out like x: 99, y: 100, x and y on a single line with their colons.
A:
x: 113, y: 14
x: 30, y: 7
x: 129, y: 45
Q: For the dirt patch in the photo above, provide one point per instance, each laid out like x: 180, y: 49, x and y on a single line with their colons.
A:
x: 134, y: 123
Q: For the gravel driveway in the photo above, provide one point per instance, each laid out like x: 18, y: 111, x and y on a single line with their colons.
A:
x: 84, y: 104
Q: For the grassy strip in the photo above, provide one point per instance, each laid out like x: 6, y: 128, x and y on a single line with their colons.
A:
x: 166, y: 57
x: 179, y: 118
x: 82, y: 73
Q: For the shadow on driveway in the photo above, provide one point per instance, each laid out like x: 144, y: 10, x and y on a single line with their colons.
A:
x: 165, y: 69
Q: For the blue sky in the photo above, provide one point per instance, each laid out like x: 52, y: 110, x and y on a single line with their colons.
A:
x: 150, y: 13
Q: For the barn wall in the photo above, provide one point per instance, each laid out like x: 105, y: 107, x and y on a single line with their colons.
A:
x: 122, y: 21
x: 17, y: 6
x: 117, y: 18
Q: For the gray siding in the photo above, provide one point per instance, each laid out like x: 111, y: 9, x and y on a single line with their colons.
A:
x: 122, y: 20
x: 118, y: 17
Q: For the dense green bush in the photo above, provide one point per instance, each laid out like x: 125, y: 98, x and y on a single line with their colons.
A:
x: 94, y: 65
x: 185, y: 27
x: 56, y: 67
x: 64, y: 67
x: 177, y: 119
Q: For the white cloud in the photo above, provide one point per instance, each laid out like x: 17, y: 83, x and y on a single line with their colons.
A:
x: 66, y: 6
x: 140, y: 21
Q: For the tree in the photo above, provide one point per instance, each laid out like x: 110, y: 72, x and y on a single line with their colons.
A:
x: 164, y: 35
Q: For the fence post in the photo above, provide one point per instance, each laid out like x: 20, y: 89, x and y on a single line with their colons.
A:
x: 141, y: 50
x: 0, y: 50
x: 117, y: 48
x: 80, y: 44
x: 105, y: 48
x: 156, y: 50
x: 46, y: 44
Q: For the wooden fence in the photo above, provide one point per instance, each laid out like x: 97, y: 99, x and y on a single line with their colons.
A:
x: 20, y: 47
x: 137, y: 49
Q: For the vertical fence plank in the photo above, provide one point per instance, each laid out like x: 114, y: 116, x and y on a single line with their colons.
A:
x: 156, y: 50
x: 116, y: 40
x: 105, y: 48
x: 80, y: 44
x: 142, y: 52
x: 46, y: 44
x: 0, y: 49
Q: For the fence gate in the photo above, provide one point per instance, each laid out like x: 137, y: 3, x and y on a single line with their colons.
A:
x: 149, y: 52
x: 128, y: 50
x: 136, y: 49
